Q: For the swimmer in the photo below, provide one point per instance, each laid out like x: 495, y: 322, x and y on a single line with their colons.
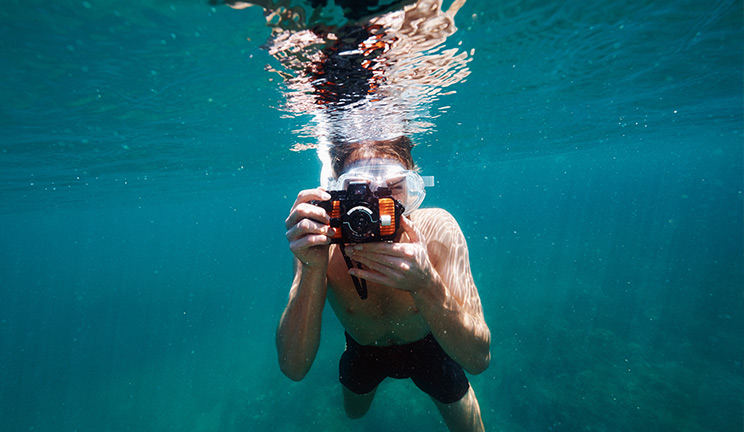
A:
x: 422, y: 316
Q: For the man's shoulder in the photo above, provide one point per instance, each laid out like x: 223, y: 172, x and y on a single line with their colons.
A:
x: 432, y: 214
x: 436, y: 221
x: 444, y: 238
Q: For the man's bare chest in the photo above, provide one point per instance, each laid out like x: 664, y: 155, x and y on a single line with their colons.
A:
x: 386, y: 315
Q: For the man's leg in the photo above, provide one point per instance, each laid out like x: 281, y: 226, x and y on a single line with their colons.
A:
x: 357, y: 405
x: 463, y: 415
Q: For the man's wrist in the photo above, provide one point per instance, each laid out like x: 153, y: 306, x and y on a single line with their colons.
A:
x: 429, y: 293
x: 312, y: 268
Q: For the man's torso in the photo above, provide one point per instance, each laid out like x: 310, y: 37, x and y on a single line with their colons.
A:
x: 388, y: 316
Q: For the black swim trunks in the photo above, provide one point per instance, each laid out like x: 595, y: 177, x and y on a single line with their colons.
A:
x: 362, y: 368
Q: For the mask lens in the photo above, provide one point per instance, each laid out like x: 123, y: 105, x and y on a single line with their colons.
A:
x: 405, y: 186
x: 397, y: 184
x: 415, y: 192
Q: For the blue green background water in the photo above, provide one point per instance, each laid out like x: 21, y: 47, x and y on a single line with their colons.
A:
x: 593, y: 158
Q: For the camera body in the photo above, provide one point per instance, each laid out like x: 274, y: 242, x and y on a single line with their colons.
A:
x: 363, y: 216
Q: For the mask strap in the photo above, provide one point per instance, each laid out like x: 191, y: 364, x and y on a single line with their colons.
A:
x: 360, y: 285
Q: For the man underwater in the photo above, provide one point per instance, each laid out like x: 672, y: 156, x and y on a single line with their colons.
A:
x: 422, y: 318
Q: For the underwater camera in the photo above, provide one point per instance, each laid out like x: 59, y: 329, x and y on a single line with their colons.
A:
x: 363, y: 216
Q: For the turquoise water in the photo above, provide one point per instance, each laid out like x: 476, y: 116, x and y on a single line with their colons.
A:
x: 593, y: 158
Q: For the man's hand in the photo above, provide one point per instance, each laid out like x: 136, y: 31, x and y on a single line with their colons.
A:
x: 308, y: 229
x: 403, y: 265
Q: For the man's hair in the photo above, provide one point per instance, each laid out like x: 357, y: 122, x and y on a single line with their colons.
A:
x: 396, y: 148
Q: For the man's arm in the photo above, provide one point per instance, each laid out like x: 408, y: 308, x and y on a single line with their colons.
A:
x: 298, y: 333
x: 309, y: 236
x: 450, y: 304
x: 436, y: 271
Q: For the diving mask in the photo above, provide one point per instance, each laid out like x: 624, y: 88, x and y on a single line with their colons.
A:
x: 405, y: 185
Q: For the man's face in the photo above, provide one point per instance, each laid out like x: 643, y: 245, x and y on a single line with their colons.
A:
x: 379, y: 172
x: 398, y: 187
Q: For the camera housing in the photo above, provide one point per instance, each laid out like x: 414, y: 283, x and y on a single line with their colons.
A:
x: 363, y: 216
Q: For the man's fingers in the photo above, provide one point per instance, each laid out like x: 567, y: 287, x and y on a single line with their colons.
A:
x: 413, y: 233
x: 381, y: 262
x: 307, y: 211
x: 302, y: 208
x: 308, y: 195
x: 402, y: 250
x: 372, y: 276
x: 309, y: 241
x: 308, y: 227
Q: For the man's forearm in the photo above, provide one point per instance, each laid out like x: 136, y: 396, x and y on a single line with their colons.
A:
x: 462, y: 335
x: 298, y: 333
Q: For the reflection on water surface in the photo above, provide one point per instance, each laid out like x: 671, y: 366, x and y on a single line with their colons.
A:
x: 364, y: 71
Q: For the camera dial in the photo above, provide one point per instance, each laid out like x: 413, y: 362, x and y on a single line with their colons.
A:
x: 358, y: 222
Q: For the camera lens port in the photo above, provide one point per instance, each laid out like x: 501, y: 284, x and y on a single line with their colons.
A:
x: 359, y: 224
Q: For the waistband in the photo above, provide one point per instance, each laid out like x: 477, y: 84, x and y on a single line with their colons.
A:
x: 425, y: 341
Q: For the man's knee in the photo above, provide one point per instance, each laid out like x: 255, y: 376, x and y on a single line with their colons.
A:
x: 463, y: 415
x: 357, y: 405
x: 355, y: 414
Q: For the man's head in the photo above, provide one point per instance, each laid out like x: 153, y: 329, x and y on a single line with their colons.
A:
x: 398, y: 149
x: 381, y: 164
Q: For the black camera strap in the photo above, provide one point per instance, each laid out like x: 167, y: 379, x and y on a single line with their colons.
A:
x: 361, y: 285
